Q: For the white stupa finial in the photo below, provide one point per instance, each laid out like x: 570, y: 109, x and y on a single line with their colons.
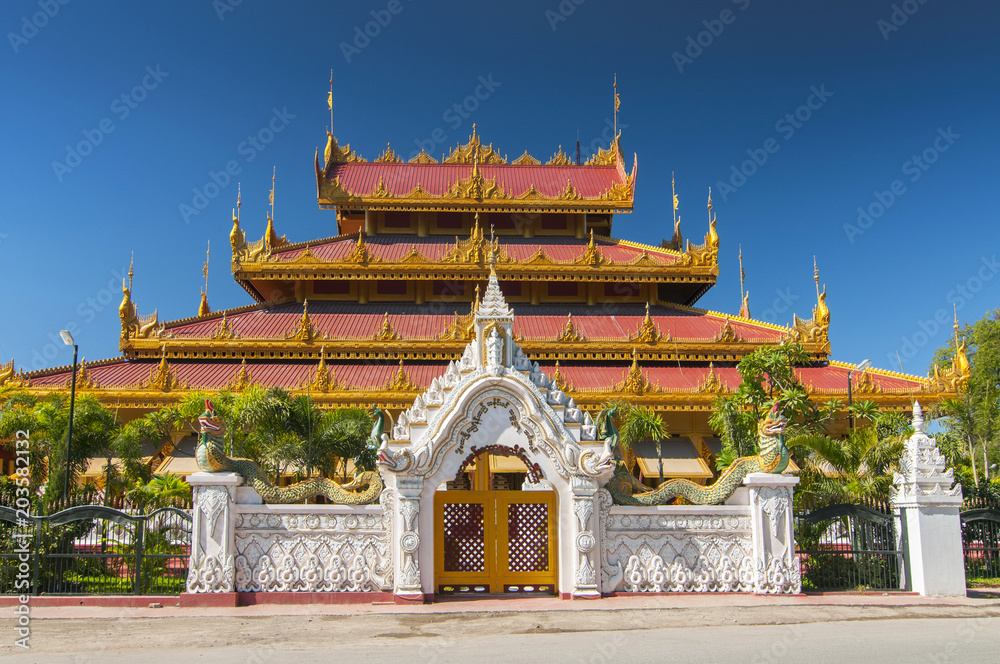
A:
x: 918, y: 418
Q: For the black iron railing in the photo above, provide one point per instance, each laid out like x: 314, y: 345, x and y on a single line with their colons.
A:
x: 93, y: 549
x: 849, y: 547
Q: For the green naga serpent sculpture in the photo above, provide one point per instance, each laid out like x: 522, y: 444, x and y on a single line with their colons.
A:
x: 211, y: 458
x: 773, y: 458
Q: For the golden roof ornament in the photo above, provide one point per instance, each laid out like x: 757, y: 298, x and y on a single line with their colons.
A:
x: 161, y: 378
x: 461, y: 328
x: 648, y: 332
x: 635, y: 380
x: 224, y: 331
x: 423, y: 158
x: 745, y: 307
x: 323, y: 382
x: 135, y: 326
x: 957, y: 376
x: 361, y: 254
x: 711, y: 384
x: 243, y: 378
x: 526, y: 160
x: 401, y: 382
x: 388, y: 156
x: 473, y: 151
x: 305, y: 330
x: 385, y: 332
x: 558, y: 380
x: 727, y: 334
x: 203, y: 309
x: 569, y: 332
x: 815, y: 331
x: 334, y: 154
x: 592, y: 255
x: 559, y: 159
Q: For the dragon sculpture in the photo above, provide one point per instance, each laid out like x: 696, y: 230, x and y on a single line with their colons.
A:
x: 211, y: 458
x: 773, y: 458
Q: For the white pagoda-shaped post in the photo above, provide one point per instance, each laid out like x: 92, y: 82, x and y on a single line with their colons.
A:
x: 929, y: 507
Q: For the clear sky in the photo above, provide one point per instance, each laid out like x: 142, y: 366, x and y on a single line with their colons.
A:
x: 116, y: 114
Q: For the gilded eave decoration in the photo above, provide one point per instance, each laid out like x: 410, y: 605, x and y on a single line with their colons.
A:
x: 385, y: 331
x: 162, y: 378
x: 705, y: 254
x: 401, y: 382
x: 9, y: 378
x: 242, y: 380
x: 569, y: 333
x: 814, y: 332
x: 712, y: 384
x: 474, y: 151
x: 388, y: 156
x: 648, y: 332
x: 559, y: 159
x: 305, y: 331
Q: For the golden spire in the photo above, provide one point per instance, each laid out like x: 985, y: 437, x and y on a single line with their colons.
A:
x: 203, y: 309
x: 274, y: 176
x: 130, y: 271
x: 618, y: 103
x: 816, y: 275
x: 743, y: 276
x: 329, y: 101
x: 673, y: 189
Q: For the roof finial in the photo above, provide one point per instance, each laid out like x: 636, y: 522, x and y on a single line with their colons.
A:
x: 618, y: 103
x: 743, y: 276
x: 130, y: 271
x: 239, y: 201
x: 816, y: 276
x: 955, y: 305
x: 673, y: 189
x: 710, y: 217
x: 329, y: 101
x: 204, y: 269
x: 271, y: 197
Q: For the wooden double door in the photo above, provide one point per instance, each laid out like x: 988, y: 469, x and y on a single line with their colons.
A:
x: 491, y: 542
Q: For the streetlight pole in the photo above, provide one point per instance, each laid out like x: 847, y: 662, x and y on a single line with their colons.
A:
x: 861, y: 368
x: 68, y: 340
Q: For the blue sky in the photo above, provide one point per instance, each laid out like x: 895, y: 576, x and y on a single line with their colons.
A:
x: 705, y: 87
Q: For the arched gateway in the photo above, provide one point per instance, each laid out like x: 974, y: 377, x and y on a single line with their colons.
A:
x: 494, y: 400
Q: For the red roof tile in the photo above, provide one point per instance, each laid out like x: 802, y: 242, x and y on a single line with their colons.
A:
x: 362, y: 178
x: 397, y: 247
x: 360, y: 321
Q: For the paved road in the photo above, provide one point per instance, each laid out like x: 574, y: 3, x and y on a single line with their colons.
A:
x: 855, y: 635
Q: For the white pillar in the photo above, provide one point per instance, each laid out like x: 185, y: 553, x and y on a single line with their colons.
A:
x: 583, y: 541
x: 929, y: 512
x: 773, y: 534
x: 213, y: 533
x: 412, y: 547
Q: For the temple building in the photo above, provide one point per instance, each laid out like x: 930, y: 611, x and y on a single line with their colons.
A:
x: 373, y: 315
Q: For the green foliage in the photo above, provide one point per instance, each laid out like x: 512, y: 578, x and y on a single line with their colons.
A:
x: 636, y: 424
x: 95, y: 434
x: 768, y: 374
x: 972, y: 420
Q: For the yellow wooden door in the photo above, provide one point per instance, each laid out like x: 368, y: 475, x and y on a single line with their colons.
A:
x: 489, y: 542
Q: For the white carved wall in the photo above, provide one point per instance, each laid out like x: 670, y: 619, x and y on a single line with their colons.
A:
x: 312, y: 548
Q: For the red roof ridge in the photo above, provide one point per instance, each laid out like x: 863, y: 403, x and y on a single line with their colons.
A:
x: 640, y: 245
x: 225, y: 312
x: 879, y: 372
x: 718, y: 314
x: 316, y: 243
x: 51, y: 371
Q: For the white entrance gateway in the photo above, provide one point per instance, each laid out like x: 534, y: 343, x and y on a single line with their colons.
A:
x: 559, y: 533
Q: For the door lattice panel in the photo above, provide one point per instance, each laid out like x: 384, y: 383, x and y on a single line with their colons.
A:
x: 528, y: 537
x: 464, y: 541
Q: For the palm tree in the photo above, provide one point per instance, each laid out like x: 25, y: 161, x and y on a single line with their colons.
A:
x: 861, y: 464
x: 638, y: 423
x: 95, y: 432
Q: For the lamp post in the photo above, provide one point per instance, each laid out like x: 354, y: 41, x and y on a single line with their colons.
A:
x: 68, y: 340
x: 861, y: 368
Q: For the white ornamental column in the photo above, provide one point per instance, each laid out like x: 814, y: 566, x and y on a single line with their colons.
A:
x: 410, y: 550
x: 929, y: 513
x: 584, y: 540
x: 213, y: 533
x: 773, y: 533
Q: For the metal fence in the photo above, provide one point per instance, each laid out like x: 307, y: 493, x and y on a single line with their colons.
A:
x: 981, y: 540
x: 93, y: 549
x: 849, y: 547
